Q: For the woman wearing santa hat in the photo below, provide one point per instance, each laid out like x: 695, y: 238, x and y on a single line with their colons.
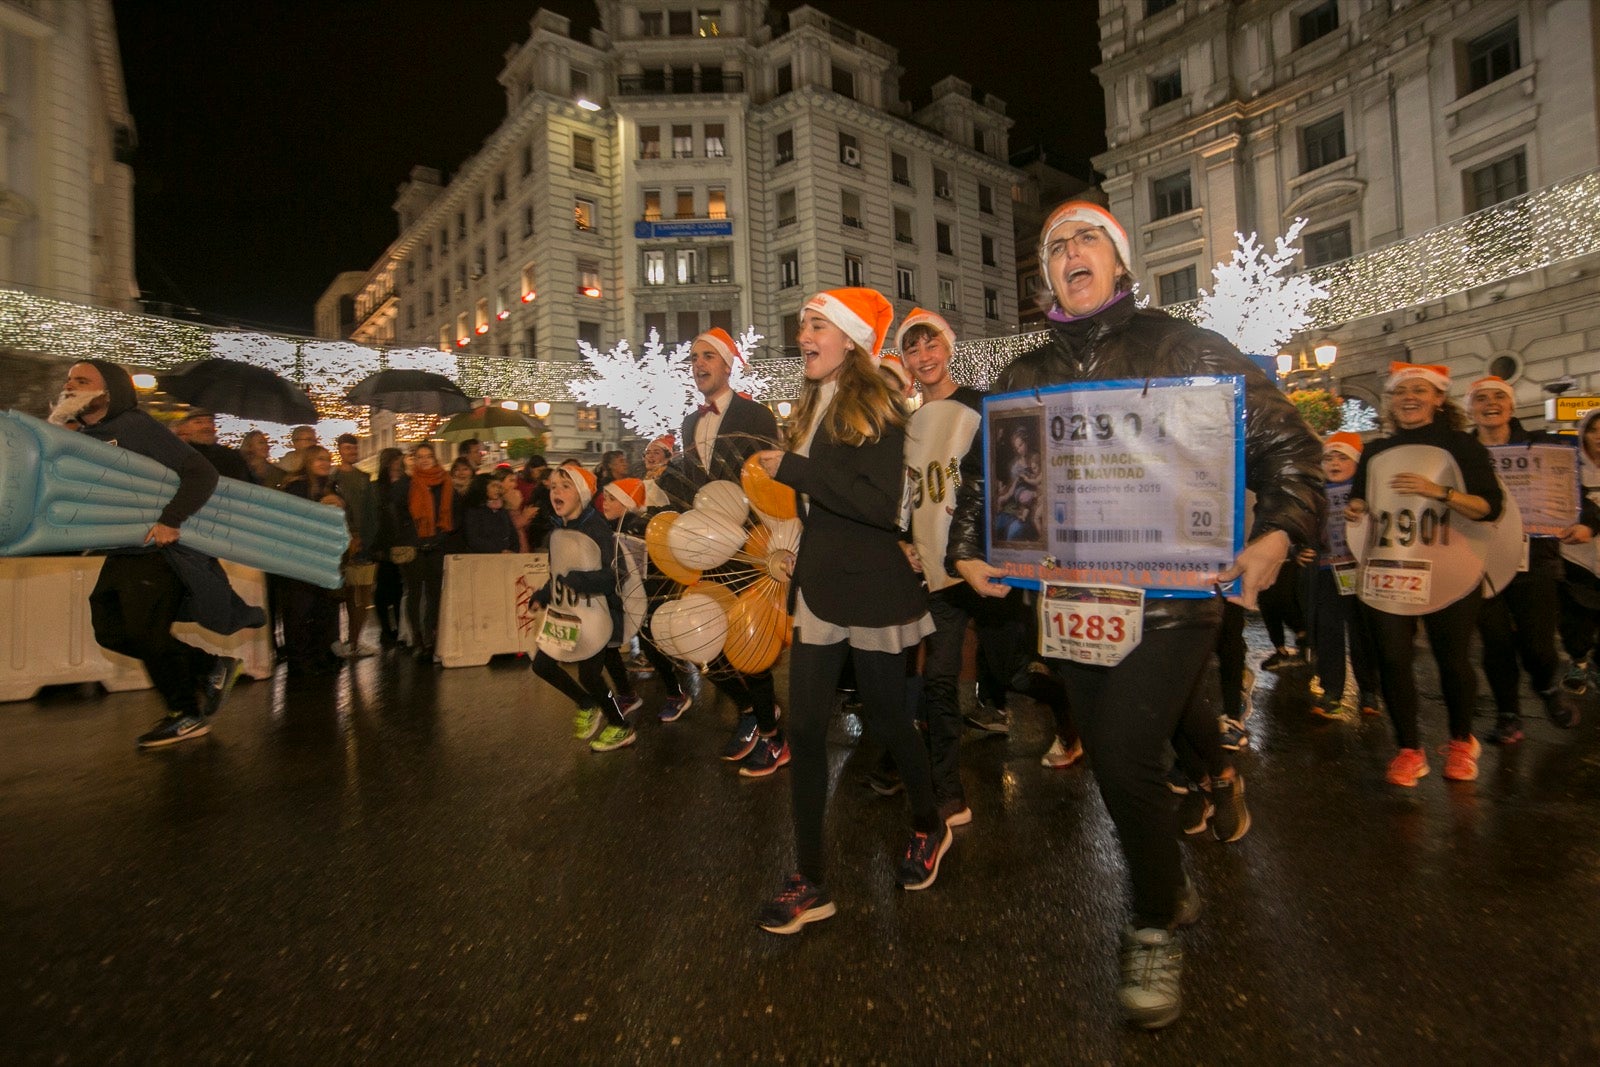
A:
x: 1519, y: 621
x: 854, y: 593
x: 1128, y: 714
x: 1419, y: 485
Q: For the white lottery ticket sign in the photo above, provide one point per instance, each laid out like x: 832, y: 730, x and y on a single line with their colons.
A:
x: 940, y: 434
x: 1543, y: 480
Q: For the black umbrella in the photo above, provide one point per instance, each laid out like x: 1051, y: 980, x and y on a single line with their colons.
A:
x: 233, y: 388
x: 418, y: 392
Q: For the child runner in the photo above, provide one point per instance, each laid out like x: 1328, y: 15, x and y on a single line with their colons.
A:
x: 1334, y: 606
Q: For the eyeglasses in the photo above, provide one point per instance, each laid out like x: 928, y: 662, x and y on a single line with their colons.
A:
x: 1086, y: 238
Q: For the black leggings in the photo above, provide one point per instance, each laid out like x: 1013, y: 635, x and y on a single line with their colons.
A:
x: 133, y: 606
x: 1230, y: 659
x: 621, y: 684
x: 1520, y: 623
x: 590, y: 689
x: 1280, y: 606
x: 749, y: 692
x: 814, y: 672
x: 1450, y: 636
x: 1334, y: 616
x: 1129, y: 715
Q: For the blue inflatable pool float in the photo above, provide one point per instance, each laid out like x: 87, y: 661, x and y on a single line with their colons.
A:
x: 64, y: 493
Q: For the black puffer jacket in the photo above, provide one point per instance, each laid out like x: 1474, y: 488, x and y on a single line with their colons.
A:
x: 1283, y: 458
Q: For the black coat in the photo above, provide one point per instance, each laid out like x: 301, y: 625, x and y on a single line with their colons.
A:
x: 747, y: 427
x: 850, y: 564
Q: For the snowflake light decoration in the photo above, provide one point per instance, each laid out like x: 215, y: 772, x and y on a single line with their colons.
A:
x: 1253, y: 304
x: 745, y: 378
x: 652, y: 391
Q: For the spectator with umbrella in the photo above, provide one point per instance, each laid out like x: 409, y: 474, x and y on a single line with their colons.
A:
x: 198, y: 430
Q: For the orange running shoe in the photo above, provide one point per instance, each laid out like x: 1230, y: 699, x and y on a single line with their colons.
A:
x: 1461, y: 760
x: 1409, y: 765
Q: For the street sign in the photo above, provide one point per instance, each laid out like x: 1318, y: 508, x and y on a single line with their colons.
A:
x: 644, y: 231
x: 1569, y: 408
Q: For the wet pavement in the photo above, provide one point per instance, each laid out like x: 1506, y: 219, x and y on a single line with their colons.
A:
x: 408, y: 864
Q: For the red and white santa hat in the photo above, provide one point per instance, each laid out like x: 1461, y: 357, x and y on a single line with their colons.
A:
x: 629, y: 492
x: 924, y: 317
x: 1434, y: 374
x: 1347, y: 443
x: 1492, y: 383
x: 582, y: 481
x: 722, y: 341
x: 1094, y: 215
x: 863, y: 314
x: 891, y: 362
x: 666, y: 442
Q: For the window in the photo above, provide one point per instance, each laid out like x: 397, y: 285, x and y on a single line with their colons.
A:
x: 1177, y: 286
x: 444, y: 239
x: 1493, y: 56
x: 688, y: 261
x: 583, y: 214
x: 720, y: 319
x: 986, y: 200
x: 716, y: 202
x: 941, y: 185
x: 1152, y: 7
x: 427, y: 303
x: 578, y: 82
x: 480, y: 316
x: 652, y: 205
x: 905, y: 283
x: 477, y: 211
x: 530, y: 343
x: 719, y: 264
x: 850, y: 209
x: 854, y: 270
x: 502, y: 304
x: 527, y: 220
x: 589, y: 333
x: 1165, y: 88
x: 709, y: 19
x: 427, y: 256
x: 988, y: 251
x: 649, y: 142
x: 683, y: 142
x: 789, y: 270
x: 791, y: 334
x: 652, y: 23
x: 411, y: 316
x: 461, y: 277
x: 1319, y: 21
x: 1172, y: 195
x: 786, y: 208
x: 1497, y: 181
x: 944, y: 238
x: 947, y: 294
x: 716, y: 144
x: 463, y: 329
x: 480, y: 262
x: 980, y: 139
x: 1328, y: 246
x: 685, y: 198
x: 844, y: 82
x: 500, y: 187
x: 657, y: 321
x: 655, y: 267
x: 899, y: 168
x: 583, y: 152
x: 502, y: 244
x: 445, y: 341
x: 991, y: 303
x: 527, y: 159
x: 679, y: 23
x: 849, y: 150
x: 588, y: 277
x: 784, y: 146
x: 1323, y: 142
x: 444, y: 290
x: 527, y: 290
x: 785, y: 80
x: 411, y: 271
x: 903, y: 231
x: 688, y: 325
x: 586, y: 417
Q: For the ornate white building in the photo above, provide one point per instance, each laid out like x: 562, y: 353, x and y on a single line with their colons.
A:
x: 1435, y: 146
x: 66, y: 187
x: 691, y: 166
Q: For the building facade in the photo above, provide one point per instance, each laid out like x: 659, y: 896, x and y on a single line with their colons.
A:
x: 1383, y: 123
x: 66, y: 186
x: 696, y: 166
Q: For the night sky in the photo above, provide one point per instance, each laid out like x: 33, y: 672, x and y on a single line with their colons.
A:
x: 273, y: 133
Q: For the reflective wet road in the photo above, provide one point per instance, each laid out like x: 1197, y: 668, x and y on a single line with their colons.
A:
x: 416, y: 865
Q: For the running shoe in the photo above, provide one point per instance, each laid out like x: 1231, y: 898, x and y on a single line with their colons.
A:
x: 989, y: 720
x: 1331, y: 710
x: 1232, y: 818
x: 920, y: 866
x: 674, y: 707
x: 1461, y: 759
x: 1152, y: 971
x: 1177, y: 782
x: 1058, y: 755
x: 1234, y: 735
x: 613, y: 738
x: 1316, y: 689
x: 955, y: 812
x: 1281, y: 659
x: 799, y: 902
x: 219, y: 683
x: 1188, y: 912
x: 629, y: 705
x: 1559, y: 706
x: 174, y: 728
x: 769, y: 754
x: 1576, y: 680
x: 885, y: 782
x: 743, y: 739
x: 1507, y: 731
x: 586, y: 723
x: 1407, y: 766
x: 1195, y: 810
x: 1368, y: 702
x: 1247, y: 702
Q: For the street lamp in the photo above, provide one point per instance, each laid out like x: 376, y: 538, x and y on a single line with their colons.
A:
x: 785, y: 409
x: 1326, y: 353
x: 541, y: 408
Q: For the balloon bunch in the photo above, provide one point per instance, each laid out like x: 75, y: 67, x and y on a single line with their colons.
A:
x: 728, y: 557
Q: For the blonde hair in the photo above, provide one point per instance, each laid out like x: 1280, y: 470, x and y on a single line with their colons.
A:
x: 863, y: 406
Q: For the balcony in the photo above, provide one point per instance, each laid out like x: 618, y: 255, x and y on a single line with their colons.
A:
x: 659, y: 83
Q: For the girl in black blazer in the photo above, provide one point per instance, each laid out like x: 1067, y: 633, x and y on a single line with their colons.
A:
x: 854, y: 592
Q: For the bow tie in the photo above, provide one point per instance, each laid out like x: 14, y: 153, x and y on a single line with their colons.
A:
x: 708, y: 409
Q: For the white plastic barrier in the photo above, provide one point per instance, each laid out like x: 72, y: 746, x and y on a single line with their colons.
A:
x: 484, y: 609
x: 47, y: 638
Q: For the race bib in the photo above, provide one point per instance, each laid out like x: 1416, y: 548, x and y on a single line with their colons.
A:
x: 559, y: 634
x: 1397, y: 583
x: 1093, y: 624
x: 1348, y: 577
